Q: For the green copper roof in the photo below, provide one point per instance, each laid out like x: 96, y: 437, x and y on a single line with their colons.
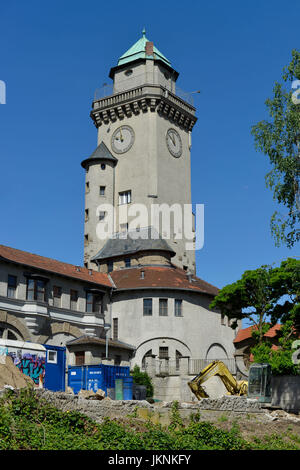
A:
x: 138, y: 51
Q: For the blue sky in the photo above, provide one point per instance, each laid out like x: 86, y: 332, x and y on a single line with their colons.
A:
x: 53, y: 57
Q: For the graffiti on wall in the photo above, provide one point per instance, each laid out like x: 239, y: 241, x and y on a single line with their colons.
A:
x: 30, y: 364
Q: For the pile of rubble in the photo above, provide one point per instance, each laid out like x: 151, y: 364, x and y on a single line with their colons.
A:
x: 11, y: 376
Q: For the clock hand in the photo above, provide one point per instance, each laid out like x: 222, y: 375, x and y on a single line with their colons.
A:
x: 171, y: 137
x: 121, y: 136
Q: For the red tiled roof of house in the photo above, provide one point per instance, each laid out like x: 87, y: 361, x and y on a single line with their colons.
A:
x: 245, y: 333
x: 54, y: 266
x: 160, y: 277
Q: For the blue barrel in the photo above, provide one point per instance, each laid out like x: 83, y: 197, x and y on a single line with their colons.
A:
x: 127, y: 388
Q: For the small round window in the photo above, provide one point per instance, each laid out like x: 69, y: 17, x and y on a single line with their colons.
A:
x: 103, y: 166
x: 128, y: 72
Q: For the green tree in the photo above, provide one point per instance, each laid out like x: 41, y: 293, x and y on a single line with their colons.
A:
x: 258, y: 296
x: 280, y: 359
x: 279, y: 139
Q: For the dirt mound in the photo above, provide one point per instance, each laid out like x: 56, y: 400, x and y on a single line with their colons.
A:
x: 11, y: 375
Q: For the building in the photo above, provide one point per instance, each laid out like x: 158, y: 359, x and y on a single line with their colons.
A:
x: 136, y: 299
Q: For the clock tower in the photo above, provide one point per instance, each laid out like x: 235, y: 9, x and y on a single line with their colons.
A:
x: 141, y: 166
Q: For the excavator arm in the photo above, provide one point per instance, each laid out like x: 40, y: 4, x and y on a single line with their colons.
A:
x: 217, y: 368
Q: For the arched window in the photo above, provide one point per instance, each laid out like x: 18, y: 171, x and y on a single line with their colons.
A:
x: 148, y: 353
x: 178, y: 356
x: 9, y: 332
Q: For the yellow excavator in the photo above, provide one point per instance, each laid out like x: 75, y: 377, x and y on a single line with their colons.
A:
x: 233, y: 386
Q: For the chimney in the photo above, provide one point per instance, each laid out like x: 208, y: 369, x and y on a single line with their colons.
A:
x: 189, y: 275
x: 149, y: 48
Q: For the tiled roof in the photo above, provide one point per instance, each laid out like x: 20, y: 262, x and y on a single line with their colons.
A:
x: 160, y: 277
x: 51, y: 265
x: 101, y: 342
x: 154, y: 276
x: 245, y: 333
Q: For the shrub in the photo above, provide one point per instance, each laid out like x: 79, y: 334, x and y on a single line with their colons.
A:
x: 142, y: 378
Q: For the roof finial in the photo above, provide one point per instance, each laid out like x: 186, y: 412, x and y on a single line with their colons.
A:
x: 144, y: 32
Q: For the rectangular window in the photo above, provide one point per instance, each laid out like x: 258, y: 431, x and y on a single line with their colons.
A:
x: 178, y: 308
x: 93, y: 302
x: 102, y: 191
x: 115, y: 328
x: 87, y: 187
x: 110, y: 266
x: 163, y: 352
x: 86, y: 240
x: 125, y: 197
x: 52, y: 356
x: 102, y: 215
x: 35, y: 290
x: 117, y: 360
x: 147, y: 310
x: 86, y: 212
x: 163, y: 307
x: 57, y: 296
x: 11, y: 286
x: 127, y: 262
x: 73, y: 299
x: 79, y: 358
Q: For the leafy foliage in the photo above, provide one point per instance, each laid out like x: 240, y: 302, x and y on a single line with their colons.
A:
x: 29, y: 423
x: 142, y: 378
x: 258, y: 296
x: 279, y: 139
x: 280, y: 359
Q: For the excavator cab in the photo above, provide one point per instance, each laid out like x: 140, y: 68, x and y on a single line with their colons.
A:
x: 259, y: 382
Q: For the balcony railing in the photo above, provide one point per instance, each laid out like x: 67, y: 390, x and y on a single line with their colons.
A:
x: 108, y: 89
x: 171, y: 367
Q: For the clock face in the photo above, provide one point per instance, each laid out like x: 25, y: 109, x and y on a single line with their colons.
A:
x: 174, y: 143
x: 122, y: 139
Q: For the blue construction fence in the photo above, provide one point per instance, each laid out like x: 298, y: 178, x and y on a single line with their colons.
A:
x: 115, y: 381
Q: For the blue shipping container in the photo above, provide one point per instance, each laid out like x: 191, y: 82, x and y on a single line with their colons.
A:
x: 94, y: 377
x: 77, y: 378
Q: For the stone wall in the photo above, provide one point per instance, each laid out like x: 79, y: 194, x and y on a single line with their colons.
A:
x: 158, y: 412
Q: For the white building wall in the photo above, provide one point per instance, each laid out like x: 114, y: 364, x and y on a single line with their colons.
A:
x: 192, y: 335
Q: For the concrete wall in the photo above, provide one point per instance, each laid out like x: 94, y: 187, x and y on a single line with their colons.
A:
x: 286, y: 392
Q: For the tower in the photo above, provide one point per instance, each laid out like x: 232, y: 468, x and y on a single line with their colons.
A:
x: 143, y: 154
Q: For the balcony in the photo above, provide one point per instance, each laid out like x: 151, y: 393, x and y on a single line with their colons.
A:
x: 110, y: 105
